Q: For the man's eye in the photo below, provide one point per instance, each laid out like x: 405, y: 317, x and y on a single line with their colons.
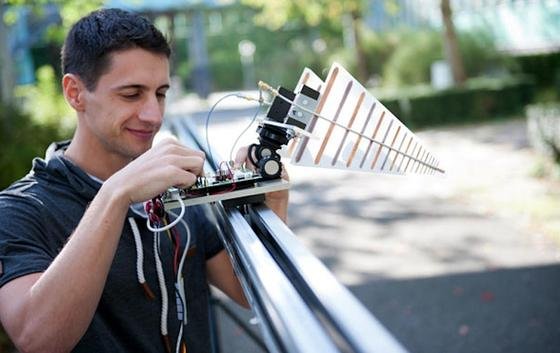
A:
x: 161, y: 95
x: 131, y: 95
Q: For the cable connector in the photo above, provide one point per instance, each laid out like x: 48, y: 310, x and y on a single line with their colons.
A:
x: 266, y: 87
x: 248, y: 98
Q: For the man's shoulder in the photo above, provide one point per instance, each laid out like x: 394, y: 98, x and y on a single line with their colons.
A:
x: 27, y: 190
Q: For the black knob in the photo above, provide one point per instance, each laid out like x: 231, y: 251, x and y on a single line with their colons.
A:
x: 270, y: 167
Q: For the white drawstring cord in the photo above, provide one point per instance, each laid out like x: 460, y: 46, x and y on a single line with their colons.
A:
x: 139, y: 251
x: 140, y: 258
x: 162, y: 287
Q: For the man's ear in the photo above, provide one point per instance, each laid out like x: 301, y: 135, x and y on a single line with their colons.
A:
x: 74, y: 91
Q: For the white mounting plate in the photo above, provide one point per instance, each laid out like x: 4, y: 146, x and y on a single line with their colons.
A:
x: 261, y: 187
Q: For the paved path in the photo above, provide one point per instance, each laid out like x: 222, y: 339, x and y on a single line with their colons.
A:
x: 448, y: 264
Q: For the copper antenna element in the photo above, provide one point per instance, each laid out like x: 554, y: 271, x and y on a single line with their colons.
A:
x: 372, y: 138
x: 406, y: 153
x: 350, y: 123
x: 398, y: 152
x: 355, y: 148
x: 410, y: 157
x: 418, y: 159
x: 332, y: 125
x: 313, y: 121
x: 392, y: 144
x: 382, y: 143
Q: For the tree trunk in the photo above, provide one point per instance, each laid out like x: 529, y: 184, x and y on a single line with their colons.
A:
x: 451, y: 45
x: 361, y: 60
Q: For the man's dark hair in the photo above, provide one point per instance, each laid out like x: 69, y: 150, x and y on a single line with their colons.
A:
x: 91, y: 41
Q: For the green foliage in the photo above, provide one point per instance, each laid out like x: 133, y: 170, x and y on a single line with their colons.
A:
x: 480, y: 55
x: 545, y: 69
x: 478, y: 100
x: 22, y: 140
x: 276, y: 14
x: 379, y: 48
x: 410, y: 63
x: 543, y: 122
x: 70, y: 12
x: 279, y: 56
x: 45, y: 103
x: 284, y: 41
x: 410, y: 53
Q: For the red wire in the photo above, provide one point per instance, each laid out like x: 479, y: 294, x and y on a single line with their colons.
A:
x: 177, y: 247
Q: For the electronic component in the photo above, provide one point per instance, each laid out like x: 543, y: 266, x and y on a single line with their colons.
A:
x: 307, y: 98
x: 224, y: 184
x: 272, y: 136
x: 223, y: 180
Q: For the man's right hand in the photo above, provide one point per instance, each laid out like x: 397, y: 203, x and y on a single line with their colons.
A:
x: 166, y: 164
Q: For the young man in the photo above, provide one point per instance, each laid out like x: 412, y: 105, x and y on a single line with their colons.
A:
x: 70, y: 264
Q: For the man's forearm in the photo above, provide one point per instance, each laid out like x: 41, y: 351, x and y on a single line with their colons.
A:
x: 280, y: 207
x: 60, y: 305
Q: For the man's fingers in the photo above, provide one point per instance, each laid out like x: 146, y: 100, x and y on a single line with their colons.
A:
x: 193, y: 164
x: 285, y: 175
x: 240, y: 156
x: 185, y: 180
x: 170, y: 145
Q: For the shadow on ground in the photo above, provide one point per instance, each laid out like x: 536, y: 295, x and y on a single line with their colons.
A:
x: 512, y: 310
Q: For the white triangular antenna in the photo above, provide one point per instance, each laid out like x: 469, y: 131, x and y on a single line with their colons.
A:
x: 357, y: 132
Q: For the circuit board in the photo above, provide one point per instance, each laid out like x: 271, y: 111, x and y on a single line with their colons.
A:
x: 223, y: 185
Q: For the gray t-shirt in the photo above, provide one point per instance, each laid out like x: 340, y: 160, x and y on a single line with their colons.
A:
x: 39, y: 213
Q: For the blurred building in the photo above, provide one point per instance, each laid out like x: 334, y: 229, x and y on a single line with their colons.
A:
x: 518, y: 26
x: 26, y: 32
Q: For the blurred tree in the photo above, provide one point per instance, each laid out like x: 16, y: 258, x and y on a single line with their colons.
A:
x: 347, y: 14
x: 6, y: 65
x: 70, y: 11
x: 451, y: 44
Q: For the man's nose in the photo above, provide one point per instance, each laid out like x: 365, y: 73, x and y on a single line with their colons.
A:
x: 152, y: 111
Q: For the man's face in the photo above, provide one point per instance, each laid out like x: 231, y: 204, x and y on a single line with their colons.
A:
x: 125, y: 110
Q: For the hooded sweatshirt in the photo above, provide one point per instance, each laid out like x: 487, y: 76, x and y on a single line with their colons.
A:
x: 38, y: 214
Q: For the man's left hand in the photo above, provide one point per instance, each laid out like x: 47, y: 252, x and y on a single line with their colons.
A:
x: 277, y: 201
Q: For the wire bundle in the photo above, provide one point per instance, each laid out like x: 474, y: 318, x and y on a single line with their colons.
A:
x: 157, y: 222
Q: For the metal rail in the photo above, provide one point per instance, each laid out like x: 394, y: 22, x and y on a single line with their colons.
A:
x: 300, y: 305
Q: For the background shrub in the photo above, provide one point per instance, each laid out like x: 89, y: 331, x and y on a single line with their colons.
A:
x: 543, y: 124
x: 22, y: 140
x: 479, y: 100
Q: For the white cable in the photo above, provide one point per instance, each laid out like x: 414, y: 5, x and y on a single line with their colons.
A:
x: 244, y: 131
x: 179, y: 337
x: 180, y: 285
x: 162, y: 287
x: 139, y: 251
x: 172, y: 224
x: 180, y: 280
x: 211, y: 157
